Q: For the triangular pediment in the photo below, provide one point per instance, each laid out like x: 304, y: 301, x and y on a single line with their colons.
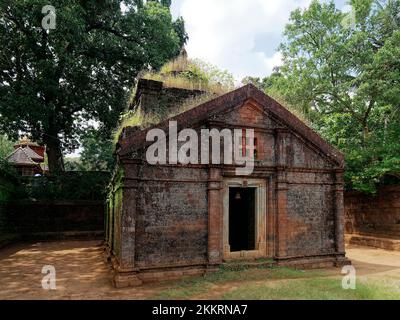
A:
x: 246, y: 105
x: 249, y: 114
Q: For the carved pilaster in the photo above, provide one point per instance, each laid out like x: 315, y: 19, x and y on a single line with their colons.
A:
x: 215, y: 217
x: 128, y: 217
x: 339, y: 211
x: 282, y: 220
x: 281, y: 162
x: 125, y: 271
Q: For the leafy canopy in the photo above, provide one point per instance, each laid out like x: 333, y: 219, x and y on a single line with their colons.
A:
x: 193, y: 74
x: 343, y: 72
x: 54, y: 81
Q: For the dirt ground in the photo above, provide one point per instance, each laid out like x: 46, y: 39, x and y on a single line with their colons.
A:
x: 82, y: 274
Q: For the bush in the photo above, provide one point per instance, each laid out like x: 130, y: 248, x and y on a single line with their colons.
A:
x: 71, y: 185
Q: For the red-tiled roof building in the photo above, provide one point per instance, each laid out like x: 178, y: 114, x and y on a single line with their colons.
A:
x: 27, y: 157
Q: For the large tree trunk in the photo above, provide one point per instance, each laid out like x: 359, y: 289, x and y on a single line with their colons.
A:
x: 54, y: 154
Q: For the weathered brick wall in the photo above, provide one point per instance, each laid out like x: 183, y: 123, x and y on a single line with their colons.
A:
x: 172, y: 217
x: 153, y: 98
x: 297, y: 152
x: 168, y: 220
x: 364, y: 211
x: 116, y: 226
x: 301, y: 155
x: 311, y: 223
x: 38, y: 218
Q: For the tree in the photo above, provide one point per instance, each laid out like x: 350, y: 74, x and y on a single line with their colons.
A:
x: 98, y: 153
x: 264, y: 83
x: 342, y: 71
x: 53, y: 81
x: 211, y: 73
x: 6, y: 146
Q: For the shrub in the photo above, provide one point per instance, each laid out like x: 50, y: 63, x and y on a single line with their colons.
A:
x: 71, y: 185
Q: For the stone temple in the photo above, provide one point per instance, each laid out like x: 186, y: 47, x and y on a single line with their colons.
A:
x: 172, y: 220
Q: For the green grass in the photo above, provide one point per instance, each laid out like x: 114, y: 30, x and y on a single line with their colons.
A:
x: 187, y: 288
x: 312, y: 289
x: 134, y: 118
x: 181, y: 82
x: 137, y: 118
x: 276, y: 283
x: 188, y: 74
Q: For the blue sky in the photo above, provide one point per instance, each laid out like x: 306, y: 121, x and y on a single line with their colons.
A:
x: 238, y: 35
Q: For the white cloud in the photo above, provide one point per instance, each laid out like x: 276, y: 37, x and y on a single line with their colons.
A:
x: 229, y: 33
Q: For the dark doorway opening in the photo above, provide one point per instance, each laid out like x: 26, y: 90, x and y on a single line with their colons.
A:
x: 242, y: 219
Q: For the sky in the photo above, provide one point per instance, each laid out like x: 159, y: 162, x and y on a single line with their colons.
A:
x: 240, y: 36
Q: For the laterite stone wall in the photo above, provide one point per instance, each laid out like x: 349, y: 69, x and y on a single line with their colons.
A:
x: 172, y: 217
x: 365, y: 211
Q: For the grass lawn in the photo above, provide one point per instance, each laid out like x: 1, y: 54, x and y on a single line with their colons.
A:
x: 277, y: 284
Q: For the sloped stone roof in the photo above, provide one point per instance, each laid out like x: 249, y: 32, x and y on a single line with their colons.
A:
x: 228, y: 101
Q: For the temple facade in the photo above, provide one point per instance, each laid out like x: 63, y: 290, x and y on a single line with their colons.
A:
x: 170, y: 220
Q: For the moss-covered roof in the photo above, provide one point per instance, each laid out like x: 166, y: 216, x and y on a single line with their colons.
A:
x: 228, y: 101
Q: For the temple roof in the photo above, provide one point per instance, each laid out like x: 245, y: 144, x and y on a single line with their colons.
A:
x: 24, y: 156
x: 229, y: 101
x: 25, y: 141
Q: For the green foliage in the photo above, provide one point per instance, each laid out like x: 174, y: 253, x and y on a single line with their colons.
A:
x: 97, y: 154
x: 6, y: 146
x: 263, y: 83
x: 345, y: 79
x: 8, y: 183
x: 191, y: 103
x: 193, y: 74
x: 137, y: 118
x: 134, y: 118
x: 73, y: 164
x: 52, y: 82
x: 8, y: 174
x: 179, y: 73
x: 66, y: 186
x: 213, y: 74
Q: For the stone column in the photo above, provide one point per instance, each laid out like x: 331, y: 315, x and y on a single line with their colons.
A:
x: 282, y: 220
x: 125, y: 271
x: 148, y: 95
x: 215, y: 217
x: 339, y: 212
x: 107, y: 208
x: 281, y: 142
x: 107, y: 217
x: 271, y: 213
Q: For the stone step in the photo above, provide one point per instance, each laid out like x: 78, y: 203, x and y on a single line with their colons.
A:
x: 248, y: 264
x: 295, y: 263
x: 387, y: 234
x: 315, y: 262
x: 373, y: 241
